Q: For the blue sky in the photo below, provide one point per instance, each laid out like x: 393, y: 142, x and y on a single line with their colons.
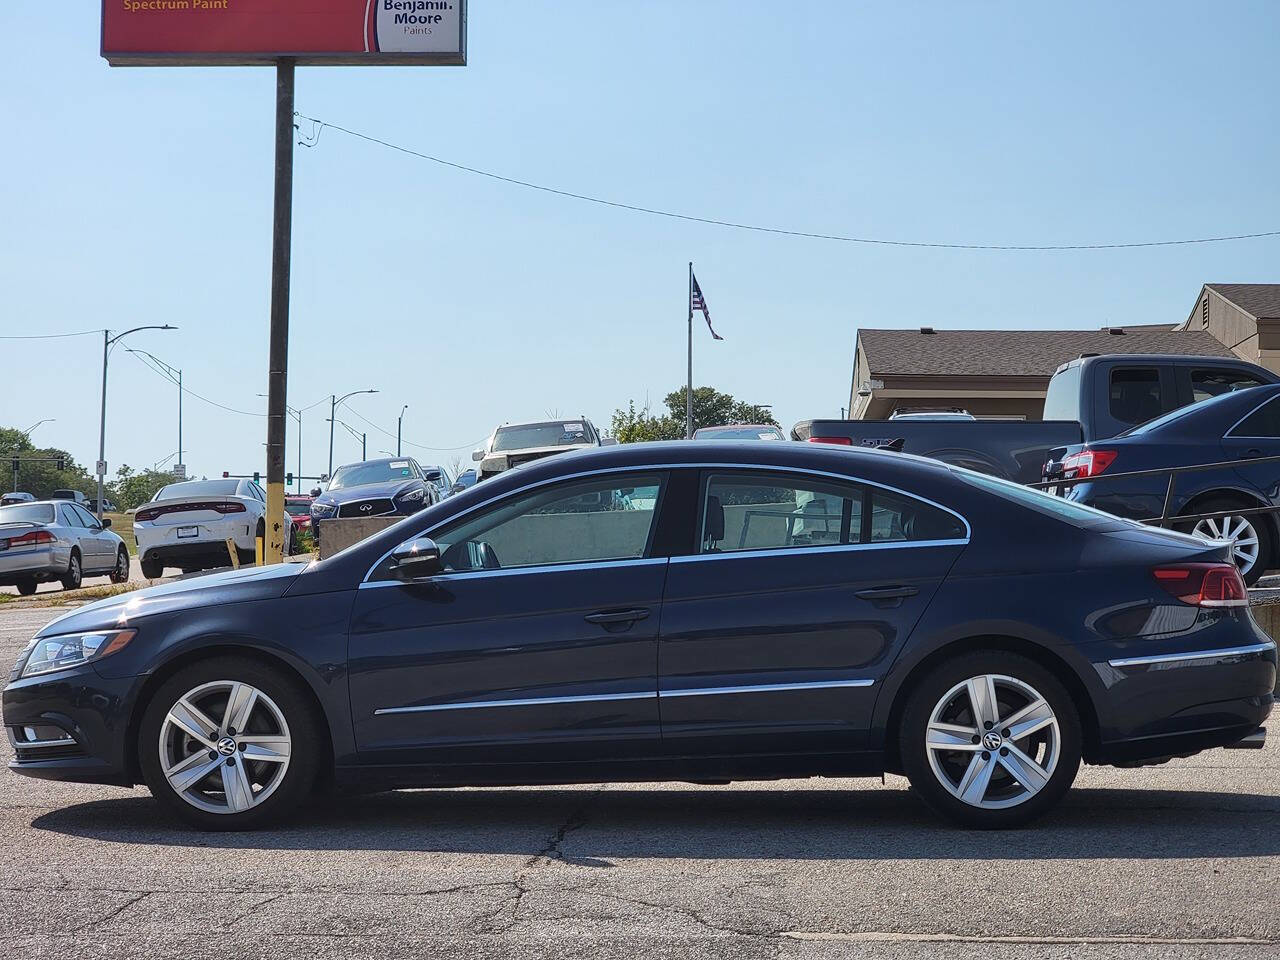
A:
x: 144, y: 196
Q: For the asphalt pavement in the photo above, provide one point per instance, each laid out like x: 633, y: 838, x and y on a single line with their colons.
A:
x: 1176, y: 861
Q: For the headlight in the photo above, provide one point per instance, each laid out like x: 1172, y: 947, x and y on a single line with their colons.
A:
x: 48, y: 654
x: 322, y: 510
x: 412, y: 495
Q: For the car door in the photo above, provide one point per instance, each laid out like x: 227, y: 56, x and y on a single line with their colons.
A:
x: 802, y: 592
x: 1254, y: 437
x: 537, y: 642
x: 78, y: 531
x: 97, y: 540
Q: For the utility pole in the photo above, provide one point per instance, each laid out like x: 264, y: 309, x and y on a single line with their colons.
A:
x: 278, y: 370
x: 107, y: 341
x: 399, y: 425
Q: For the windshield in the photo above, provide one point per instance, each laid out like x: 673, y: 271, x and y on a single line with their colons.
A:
x: 551, y: 434
x: 744, y: 432
x: 198, y: 488
x: 378, y: 471
x: 27, y: 513
x: 298, y: 508
x: 1074, y: 513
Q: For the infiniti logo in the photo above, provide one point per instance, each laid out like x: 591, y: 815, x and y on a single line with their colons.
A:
x: 366, y: 507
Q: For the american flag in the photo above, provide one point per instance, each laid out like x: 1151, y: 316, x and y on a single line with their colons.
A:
x: 698, y: 302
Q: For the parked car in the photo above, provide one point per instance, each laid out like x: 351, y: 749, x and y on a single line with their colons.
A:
x: 438, y: 476
x: 514, y: 444
x: 91, y: 504
x: 1090, y: 398
x: 75, y: 495
x: 187, y: 525
x: 739, y: 431
x: 794, y: 610
x: 395, y: 486
x: 46, y: 540
x: 466, y: 478
x: 16, y: 497
x: 299, y: 509
x: 1240, y: 427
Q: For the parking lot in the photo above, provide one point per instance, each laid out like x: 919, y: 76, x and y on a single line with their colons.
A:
x: 1175, y: 861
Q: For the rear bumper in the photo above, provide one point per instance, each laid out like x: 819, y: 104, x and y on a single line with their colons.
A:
x: 42, y: 563
x: 159, y: 540
x: 1181, y: 701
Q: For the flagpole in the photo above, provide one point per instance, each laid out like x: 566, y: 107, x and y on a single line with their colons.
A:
x: 688, y: 396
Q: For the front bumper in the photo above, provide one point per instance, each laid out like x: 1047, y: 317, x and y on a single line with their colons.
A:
x: 71, y: 725
x: 1186, y: 698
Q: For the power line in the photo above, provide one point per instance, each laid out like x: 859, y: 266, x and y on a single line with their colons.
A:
x: 51, y: 336
x: 320, y: 125
x: 420, y: 446
x: 191, y: 393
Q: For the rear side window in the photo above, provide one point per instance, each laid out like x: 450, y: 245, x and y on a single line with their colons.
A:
x: 1212, y: 382
x: 781, y: 511
x: 1062, y: 401
x: 1263, y: 422
x: 1135, y: 394
x: 69, y: 517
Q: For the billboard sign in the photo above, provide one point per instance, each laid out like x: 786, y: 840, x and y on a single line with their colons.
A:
x: 311, y: 32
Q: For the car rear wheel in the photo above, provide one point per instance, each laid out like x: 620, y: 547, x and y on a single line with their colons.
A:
x: 1251, y: 547
x: 74, y: 576
x: 227, y: 744
x: 152, y: 569
x: 26, y: 587
x: 990, y: 739
x: 120, y: 573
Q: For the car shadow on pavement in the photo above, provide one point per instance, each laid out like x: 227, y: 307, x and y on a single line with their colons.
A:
x: 597, y: 825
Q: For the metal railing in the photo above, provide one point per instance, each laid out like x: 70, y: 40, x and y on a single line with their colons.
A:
x: 1174, y: 472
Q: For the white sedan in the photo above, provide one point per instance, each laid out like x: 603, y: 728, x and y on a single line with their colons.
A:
x: 187, y: 525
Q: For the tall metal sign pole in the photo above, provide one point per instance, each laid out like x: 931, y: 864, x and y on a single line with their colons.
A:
x: 278, y: 372
x: 688, y: 396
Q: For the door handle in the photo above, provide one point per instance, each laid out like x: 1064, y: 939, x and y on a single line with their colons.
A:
x: 617, y: 616
x: 1251, y: 454
x: 881, y: 594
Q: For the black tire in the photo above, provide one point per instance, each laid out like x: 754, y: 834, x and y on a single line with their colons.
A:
x: 1258, y: 521
x: 933, y: 691
x: 152, y: 569
x: 120, y: 572
x: 75, y: 574
x: 26, y: 587
x: 299, y: 774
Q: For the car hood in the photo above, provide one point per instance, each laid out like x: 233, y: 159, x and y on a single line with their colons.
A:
x: 231, y: 586
x: 503, y: 456
x: 366, y: 491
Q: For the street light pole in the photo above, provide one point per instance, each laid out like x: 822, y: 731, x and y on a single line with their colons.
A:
x: 107, y: 341
x: 334, y: 400
x: 399, y: 424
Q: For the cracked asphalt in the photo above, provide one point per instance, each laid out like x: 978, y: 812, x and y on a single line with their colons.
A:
x: 1175, y: 861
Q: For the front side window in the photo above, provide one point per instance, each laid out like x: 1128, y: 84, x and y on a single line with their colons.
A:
x: 1135, y: 394
x: 86, y: 518
x: 778, y: 511
x: 1263, y: 422
x: 579, y: 522
x: 1212, y: 382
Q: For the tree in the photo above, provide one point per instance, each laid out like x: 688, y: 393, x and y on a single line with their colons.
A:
x: 131, y: 489
x: 711, y: 408
x: 38, y: 472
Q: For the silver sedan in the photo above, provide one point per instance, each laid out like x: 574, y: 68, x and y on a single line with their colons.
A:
x: 57, y: 540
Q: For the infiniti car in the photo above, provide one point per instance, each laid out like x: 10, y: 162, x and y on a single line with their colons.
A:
x: 707, y: 611
x: 376, y: 488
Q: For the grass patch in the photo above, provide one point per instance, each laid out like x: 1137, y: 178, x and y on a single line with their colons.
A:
x: 83, y: 595
x: 122, y: 526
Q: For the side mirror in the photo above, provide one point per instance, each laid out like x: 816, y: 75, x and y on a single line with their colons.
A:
x: 416, y: 559
x: 477, y: 455
x: 432, y: 475
x: 106, y: 522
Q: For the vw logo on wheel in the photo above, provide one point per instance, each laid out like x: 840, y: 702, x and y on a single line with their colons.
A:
x: 992, y: 740
x: 227, y: 746
x: 366, y: 507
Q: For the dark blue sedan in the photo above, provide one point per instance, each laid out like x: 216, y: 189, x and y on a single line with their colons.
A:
x: 1239, y: 429
x: 376, y: 488
x: 703, y: 611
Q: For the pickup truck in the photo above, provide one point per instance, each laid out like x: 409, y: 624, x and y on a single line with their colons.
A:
x: 1089, y: 398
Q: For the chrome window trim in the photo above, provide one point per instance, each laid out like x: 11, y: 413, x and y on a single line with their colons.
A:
x: 640, y: 467
x: 516, y: 571
x: 816, y: 548
x: 636, y: 695
x: 1220, y: 654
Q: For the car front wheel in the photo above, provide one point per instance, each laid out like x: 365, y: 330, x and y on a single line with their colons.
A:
x: 990, y: 739
x: 74, y: 576
x: 120, y: 573
x: 228, y: 744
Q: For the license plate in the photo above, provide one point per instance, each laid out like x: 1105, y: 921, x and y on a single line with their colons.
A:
x: 1053, y: 490
x: 188, y: 532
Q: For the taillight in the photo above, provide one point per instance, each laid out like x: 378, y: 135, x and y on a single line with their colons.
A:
x: 1086, y: 463
x: 32, y: 538
x: 842, y: 441
x: 151, y: 513
x: 1204, y: 584
x: 230, y: 506
x: 146, y: 514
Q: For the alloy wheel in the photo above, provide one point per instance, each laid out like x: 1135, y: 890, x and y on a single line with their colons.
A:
x: 993, y: 741
x: 1245, y: 543
x: 230, y: 764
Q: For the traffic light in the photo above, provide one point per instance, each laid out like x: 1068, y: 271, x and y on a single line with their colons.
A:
x: 226, y: 474
x: 62, y: 464
x: 288, y: 479
x: 257, y: 477
x: 15, y: 464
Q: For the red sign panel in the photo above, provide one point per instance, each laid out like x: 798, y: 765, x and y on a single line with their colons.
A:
x: 215, y: 32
